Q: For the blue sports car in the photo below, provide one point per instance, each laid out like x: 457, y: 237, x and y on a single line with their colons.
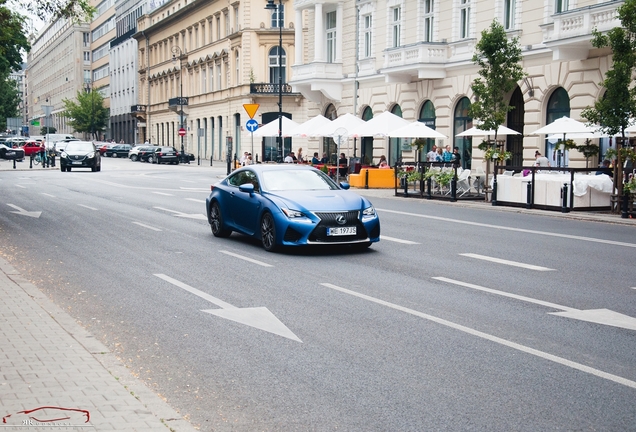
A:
x: 290, y: 205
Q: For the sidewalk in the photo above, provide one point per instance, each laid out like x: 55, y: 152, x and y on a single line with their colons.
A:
x: 48, y: 360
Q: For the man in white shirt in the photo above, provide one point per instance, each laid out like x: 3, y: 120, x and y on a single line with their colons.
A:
x: 289, y: 158
x: 432, y: 155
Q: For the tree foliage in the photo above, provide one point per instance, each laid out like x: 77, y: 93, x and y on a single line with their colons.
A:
x: 13, y: 40
x: 48, y: 10
x: 88, y: 114
x: 499, y: 59
x: 9, y: 100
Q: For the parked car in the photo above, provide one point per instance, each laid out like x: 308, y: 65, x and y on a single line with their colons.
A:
x: 31, y: 147
x: 290, y: 205
x: 80, y: 154
x: 59, y: 145
x: 9, y: 153
x: 133, y: 154
x: 146, y: 152
x: 164, y: 155
x: 118, y: 150
x: 102, y: 147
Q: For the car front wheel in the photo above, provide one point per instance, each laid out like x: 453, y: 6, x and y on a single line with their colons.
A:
x: 268, y: 232
x: 216, y: 222
x: 114, y: 155
x: 151, y: 159
x: 133, y: 158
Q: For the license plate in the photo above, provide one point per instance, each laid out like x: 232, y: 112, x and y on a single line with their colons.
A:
x: 77, y: 163
x: 341, y: 231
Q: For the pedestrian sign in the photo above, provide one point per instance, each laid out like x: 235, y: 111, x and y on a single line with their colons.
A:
x: 251, y: 125
x: 251, y: 109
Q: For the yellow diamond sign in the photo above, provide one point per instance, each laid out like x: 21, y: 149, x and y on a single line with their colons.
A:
x: 251, y: 109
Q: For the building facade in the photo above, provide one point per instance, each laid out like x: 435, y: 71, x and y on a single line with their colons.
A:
x: 200, y: 62
x: 413, y: 58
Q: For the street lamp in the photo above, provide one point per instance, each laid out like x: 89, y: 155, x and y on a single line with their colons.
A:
x: 176, y: 51
x: 271, y: 6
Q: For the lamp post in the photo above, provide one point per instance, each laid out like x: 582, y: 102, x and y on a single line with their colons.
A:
x: 271, y: 6
x: 177, y: 51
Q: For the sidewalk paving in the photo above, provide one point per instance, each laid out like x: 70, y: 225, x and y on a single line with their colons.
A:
x: 48, y: 360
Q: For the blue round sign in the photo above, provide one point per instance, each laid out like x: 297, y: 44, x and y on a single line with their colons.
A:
x: 251, y: 125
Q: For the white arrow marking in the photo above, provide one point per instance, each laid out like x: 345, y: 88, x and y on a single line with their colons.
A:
x: 489, y: 337
x: 184, y: 215
x: 23, y: 212
x: 397, y: 240
x: 257, y: 317
x: 598, y: 316
x: 506, y: 262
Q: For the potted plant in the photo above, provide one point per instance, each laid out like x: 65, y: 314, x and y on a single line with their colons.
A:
x: 589, y: 150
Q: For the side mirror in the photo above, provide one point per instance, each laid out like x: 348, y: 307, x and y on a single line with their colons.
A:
x: 344, y: 185
x: 247, y: 188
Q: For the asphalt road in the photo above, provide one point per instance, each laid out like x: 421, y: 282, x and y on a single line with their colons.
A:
x: 459, y: 319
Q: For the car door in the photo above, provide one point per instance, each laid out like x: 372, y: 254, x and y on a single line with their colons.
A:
x: 247, y: 206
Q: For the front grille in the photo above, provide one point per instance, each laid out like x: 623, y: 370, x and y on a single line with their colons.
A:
x: 328, y: 220
x: 77, y: 157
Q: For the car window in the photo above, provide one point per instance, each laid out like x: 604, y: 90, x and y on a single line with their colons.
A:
x: 79, y: 146
x: 310, y: 179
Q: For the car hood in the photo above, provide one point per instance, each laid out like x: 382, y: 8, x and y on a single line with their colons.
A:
x: 79, y: 152
x: 324, y: 200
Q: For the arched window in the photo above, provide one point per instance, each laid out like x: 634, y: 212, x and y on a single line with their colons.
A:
x: 329, y: 146
x: 461, y: 122
x: 427, y: 116
x: 558, y: 106
x: 366, y: 143
x: 395, y: 144
x: 277, y: 70
x: 514, y: 143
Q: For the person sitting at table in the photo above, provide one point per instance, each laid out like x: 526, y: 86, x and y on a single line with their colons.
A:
x: 605, y: 169
x: 325, y: 159
x: 541, y: 161
x: 289, y: 158
x: 383, y: 163
x: 342, y: 161
x: 315, y: 160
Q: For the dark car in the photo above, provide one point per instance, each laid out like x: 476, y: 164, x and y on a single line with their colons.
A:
x: 146, y: 152
x: 164, y: 155
x: 9, y: 153
x: 118, y: 150
x: 291, y: 205
x: 80, y: 154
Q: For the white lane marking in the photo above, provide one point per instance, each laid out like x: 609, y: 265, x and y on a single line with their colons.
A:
x: 48, y: 195
x: 506, y: 262
x: 85, y: 206
x: 495, y: 339
x: 199, y: 216
x: 195, y: 189
x: 397, y: 240
x: 20, y: 186
x: 162, y: 193
x: 499, y: 227
x: 196, y: 200
x: 598, y: 316
x: 260, y: 263
x: 257, y: 317
x: 147, y: 226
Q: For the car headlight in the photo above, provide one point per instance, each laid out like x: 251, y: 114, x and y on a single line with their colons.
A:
x: 64, y: 155
x: 368, y: 212
x: 292, y: 213
x: 90, y: 155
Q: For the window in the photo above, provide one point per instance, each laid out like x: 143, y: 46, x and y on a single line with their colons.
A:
x: 203, y: 80
x: 396, y: 26
x: 100, y: 73
x: 278, y: 16
x: 218, y: 76
x: 464, y: 25
x: 87, y: 57
x: 103, y: 29
x: 237, y: 68
x: 277, y: 70
x: 561, y: 6
x: 86, y: 39
x: 226, y: 18
x: 428, y: 20
x: 331, y: 37
x: 367, y: 28
x: 509, y: 14
x: 100, y: 52
x: 236, y: 18
x: 218, y: 27
x: 211, y: 77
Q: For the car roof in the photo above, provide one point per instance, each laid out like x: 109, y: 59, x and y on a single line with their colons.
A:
x: 262, y: 167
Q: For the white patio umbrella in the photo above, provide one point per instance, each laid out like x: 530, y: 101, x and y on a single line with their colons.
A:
x: 380, y: 126
x: 416, y: 129
x: 475, y: 131
x: 347, y: 121
x: 313, y: 127
x: 564, y: 126
x: 271, y: 128
x: 631, y: 130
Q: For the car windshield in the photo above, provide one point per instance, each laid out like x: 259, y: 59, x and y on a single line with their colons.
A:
x: 79, y: 146
x: 311, y: 179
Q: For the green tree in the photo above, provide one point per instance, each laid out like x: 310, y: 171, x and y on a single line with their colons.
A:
x: 88, y: 114
x: 47, y: 10
x: 614, y: 111
x: 13, y: 40
x: 9, y: 100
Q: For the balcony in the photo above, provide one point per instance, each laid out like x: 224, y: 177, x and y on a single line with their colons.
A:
x: 269, y: 89
x: 569, y: 35
x: 318, y: 79
x: 423, y: 60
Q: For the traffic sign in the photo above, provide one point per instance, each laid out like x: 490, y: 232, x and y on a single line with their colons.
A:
x: 251, y: 109
x: 182, y: 132
x: 251, y: 125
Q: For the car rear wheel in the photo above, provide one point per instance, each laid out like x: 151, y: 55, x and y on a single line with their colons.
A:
x: 268, y: 232
x: 133, y: 158
x: 114, y: 155
x: 216, y: 222
x: 151, y: 159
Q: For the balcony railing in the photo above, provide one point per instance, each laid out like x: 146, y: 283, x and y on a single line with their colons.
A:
x: 138, y: 109
x: 581, y: 22
x: 269, y: 88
